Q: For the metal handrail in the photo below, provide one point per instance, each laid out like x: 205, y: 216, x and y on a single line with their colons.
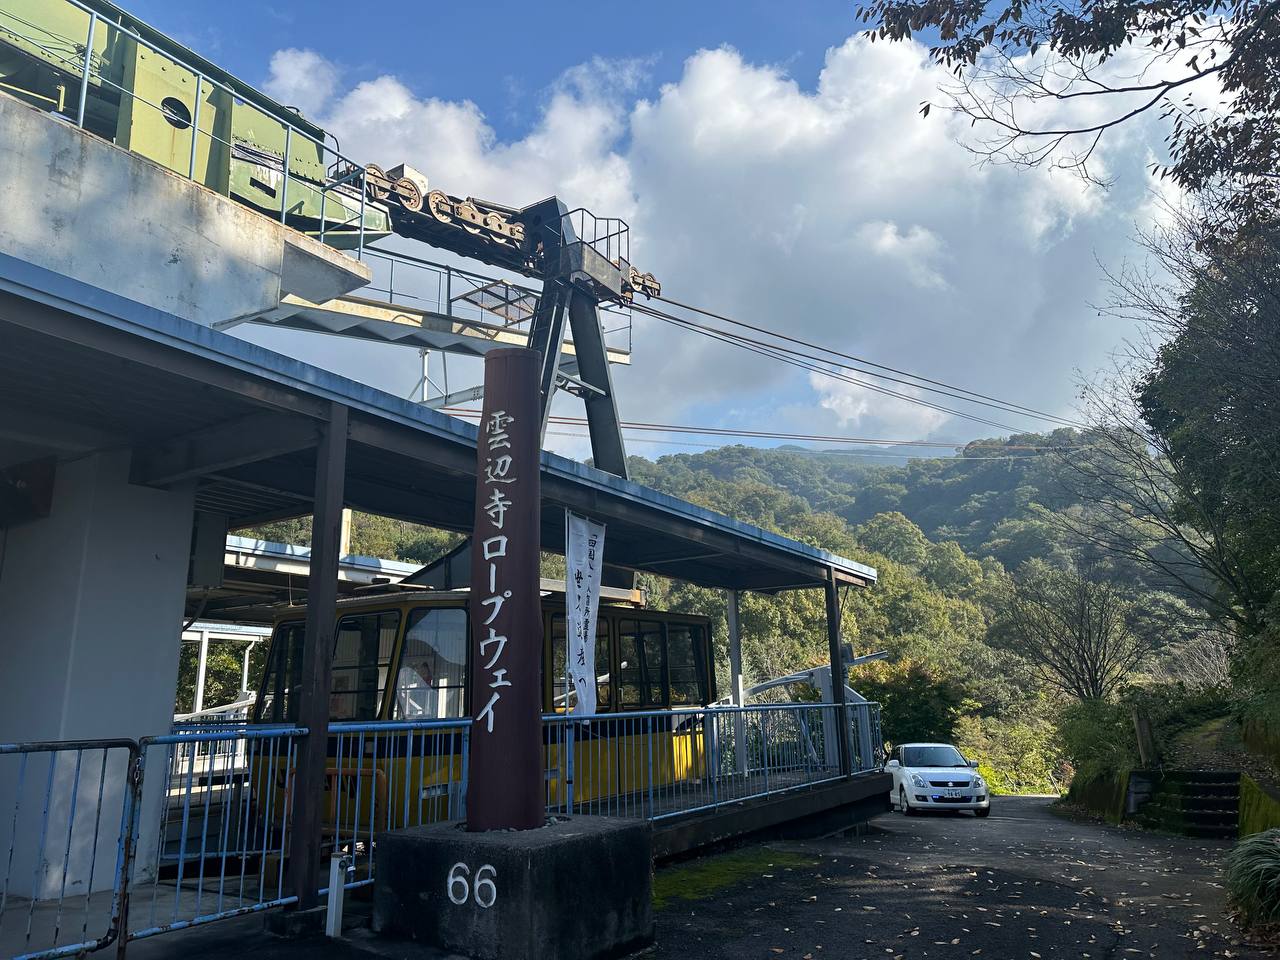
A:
x: 84, y: 70
x: 225, y: 794
x: 119, y: 877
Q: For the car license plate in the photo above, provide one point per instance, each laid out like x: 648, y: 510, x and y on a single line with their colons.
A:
x: 953, y: 794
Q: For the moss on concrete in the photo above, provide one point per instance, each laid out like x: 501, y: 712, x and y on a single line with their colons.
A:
x: 1102, y: 794
x: 1259, y: 809
x: 1262, y: 736
x: 706, y: 876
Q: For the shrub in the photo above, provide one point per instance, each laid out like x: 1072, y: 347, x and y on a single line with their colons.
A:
x: 1253, y: 878
x: 1015, y: 755
x: 917, y: 703
x: 1097, y: 737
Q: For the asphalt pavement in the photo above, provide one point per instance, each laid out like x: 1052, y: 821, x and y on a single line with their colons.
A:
x: 1024, y: 883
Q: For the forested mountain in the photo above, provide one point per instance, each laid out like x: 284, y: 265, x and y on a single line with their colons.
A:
x: 989, y: 499
x: 950, y: 538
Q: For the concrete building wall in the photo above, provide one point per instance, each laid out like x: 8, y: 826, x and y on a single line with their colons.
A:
x: 91, y: 604
x: 82, y: 207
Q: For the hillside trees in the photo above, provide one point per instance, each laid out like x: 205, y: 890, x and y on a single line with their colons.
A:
x: 931, y: 610
x: 1074, y: 628
x: 1205, y: 406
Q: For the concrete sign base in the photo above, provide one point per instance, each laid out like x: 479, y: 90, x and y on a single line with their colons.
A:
x: 577, y: 889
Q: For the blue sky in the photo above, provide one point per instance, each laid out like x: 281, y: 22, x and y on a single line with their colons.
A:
x: 501, y: 55
x: 773, y: 166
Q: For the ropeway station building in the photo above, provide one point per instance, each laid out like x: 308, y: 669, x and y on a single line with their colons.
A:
x: 146, y: 200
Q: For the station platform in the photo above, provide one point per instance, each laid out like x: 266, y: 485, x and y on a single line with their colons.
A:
x: 161, y: 909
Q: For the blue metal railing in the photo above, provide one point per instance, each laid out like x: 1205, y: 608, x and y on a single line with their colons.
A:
x: 346, y: 188
x: 58, y: 863
x: 388, y: 775
x: 669, y: 763
x: 210, y: 830
x: 204, y: 813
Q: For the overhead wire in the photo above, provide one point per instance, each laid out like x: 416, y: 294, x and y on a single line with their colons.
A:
x: 812, y: 363
x: 812, y: 366
x: 816, y: 363
x: 762, y: 434
x: 916, y: 380
x: 849, y: 453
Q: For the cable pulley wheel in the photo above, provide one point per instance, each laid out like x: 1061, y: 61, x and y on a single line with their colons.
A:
x: 469, y: 217
x: 438, y: 206
x: 409, y: 194
x: 376, y: 183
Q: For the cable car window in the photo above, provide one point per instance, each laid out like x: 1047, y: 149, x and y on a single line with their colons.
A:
x: 283, y: 675
x: 361, y: 659
x: 560, y: 684
x: 640, y: 664
x: 431, y: 683
x: 687, y: 665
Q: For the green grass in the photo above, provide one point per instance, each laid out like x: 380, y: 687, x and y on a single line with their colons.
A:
x: 1253, y: 878
x: 701, y: 878
x: 1209, y: 737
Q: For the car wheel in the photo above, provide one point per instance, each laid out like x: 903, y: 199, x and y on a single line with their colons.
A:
x: 902, y: 802
x: 982, y: 812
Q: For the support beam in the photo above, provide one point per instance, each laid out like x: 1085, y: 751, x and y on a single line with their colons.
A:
x: 686, y: 557
x: 317, y: 660
x: 201, y: 666
x: 468, y: 395
x: 607, y: 450
x: 838, y: 678
x: 547, y: 337
x: 736, y: 693
x: 25, y: 426
x: 233, y: 443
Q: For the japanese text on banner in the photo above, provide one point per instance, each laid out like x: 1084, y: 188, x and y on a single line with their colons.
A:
x: 584, y: 560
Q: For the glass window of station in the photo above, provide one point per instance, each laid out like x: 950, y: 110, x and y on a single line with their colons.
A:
x: 432, y: 681
x: 416, y: 658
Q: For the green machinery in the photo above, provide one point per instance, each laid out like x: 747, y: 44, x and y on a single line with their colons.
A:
x: 150, y: 95
x: 90, y: 63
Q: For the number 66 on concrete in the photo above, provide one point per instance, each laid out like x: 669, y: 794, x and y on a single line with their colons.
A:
x: 482, y: 888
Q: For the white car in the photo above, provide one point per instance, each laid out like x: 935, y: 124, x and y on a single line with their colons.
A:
x: 936, y: 776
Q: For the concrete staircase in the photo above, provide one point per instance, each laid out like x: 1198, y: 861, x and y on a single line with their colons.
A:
x: 1194, y: 803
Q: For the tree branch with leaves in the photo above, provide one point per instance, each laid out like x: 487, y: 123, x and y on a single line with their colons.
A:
x: 1210, y: 68
x: 1073, y: 628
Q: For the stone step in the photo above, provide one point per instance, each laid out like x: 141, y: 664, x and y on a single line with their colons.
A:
x: 1227, y: 832
x: 1179, y: 825
x: 1199, y: 789
x: 1175, y: 801
x: 1202, y: 776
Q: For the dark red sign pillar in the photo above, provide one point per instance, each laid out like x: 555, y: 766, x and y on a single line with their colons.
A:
x: 506, y: 789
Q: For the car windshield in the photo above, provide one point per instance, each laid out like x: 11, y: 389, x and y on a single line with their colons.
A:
x: 932, y: 757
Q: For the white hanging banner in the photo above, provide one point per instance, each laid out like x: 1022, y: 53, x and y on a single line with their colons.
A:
x: 584, y: 559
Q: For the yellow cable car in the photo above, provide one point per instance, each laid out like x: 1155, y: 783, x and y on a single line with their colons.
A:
x: 400, y: 657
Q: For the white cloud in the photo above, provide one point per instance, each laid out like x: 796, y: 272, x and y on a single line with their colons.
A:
x: 854, y: 405
x: 302, y: 79
x: 834, y: 213
x: 908, y: 251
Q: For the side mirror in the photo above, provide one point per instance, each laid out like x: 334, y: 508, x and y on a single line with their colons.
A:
x: 892, y: 765
x: 973, y: 764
